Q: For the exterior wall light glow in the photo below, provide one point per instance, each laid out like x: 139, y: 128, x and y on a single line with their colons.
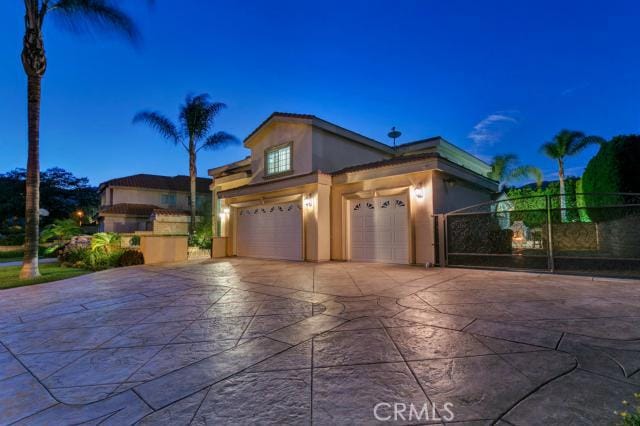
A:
x: 226, y: 210
x: 418, y: 192
x: 308, y: 202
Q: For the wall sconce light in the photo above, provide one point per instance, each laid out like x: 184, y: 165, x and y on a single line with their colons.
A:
x: 226, y: 210
x: 308, y: 202
x: 418, y: 191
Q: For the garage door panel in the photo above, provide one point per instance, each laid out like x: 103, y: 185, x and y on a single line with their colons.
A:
x: 271, y: 231
x: 379, y: 230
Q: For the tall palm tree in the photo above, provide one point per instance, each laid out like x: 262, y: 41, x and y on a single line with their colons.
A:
x: 195, y: 122
x: 504, y: 169
x: 78, y: 15
x: 565, y: 144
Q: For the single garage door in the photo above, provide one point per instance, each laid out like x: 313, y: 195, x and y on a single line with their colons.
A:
x: 380, y: 229
x: 272, y: 231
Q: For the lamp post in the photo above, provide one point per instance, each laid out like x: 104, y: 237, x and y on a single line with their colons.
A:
x: 79, y: 214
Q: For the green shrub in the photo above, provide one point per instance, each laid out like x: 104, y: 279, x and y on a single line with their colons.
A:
x: 612, y: 169
x: 630, y: 417
x: 130, y: 257
x: 135, y: 240
x: 105, y: 242
x: 85, y: 258
x: 12, y: 236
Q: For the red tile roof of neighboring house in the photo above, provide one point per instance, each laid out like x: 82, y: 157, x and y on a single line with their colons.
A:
x: 167, y: 183
x: 388, y: 162
x: 129, y: 209
x: 171, y: 212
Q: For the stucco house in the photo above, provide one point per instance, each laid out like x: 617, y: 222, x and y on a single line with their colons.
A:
x: 146, y: 202
x: 312, y: 190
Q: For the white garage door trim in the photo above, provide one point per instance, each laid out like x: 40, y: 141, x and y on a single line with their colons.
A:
x: 270, y: 231
x: 379, y: 229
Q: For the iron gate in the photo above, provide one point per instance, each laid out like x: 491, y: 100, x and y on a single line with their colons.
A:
x: 591, y: 233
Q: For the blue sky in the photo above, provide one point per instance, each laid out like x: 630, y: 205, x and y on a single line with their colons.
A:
x: 490, y: 76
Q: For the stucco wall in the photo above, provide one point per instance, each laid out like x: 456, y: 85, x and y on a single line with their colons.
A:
x: 278, y: 133
x: 451, y: 193
x: 167, y: 227
x: 145, y: 196
x: 164, y: 249
x: 123, y: 224
x: 332, y: 152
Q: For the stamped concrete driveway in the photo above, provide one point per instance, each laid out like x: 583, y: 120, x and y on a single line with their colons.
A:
x: 247, y: 341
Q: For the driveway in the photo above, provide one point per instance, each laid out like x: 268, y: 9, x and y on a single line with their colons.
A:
x: 248, y: 341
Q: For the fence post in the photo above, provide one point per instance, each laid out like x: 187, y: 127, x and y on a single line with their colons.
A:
x: 442, y: 239
x: 550, y: 263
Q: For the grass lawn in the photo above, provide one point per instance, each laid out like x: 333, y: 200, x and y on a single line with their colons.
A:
x: 49, y: 272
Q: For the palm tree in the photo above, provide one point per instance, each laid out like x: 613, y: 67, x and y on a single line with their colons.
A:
x: 504, y: 169
x: 78, y: 15
x: 195, y: 122
x: 565, y: 144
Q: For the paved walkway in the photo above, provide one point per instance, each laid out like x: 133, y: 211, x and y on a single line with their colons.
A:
x: 19, y: 262
x: 248, y: 341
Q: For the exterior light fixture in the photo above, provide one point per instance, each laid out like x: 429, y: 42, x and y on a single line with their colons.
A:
x: 418, y: 192
x: 308, y: 202
x: 226, y: 210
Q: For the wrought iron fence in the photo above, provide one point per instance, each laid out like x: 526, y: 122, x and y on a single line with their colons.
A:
x: 593, y: 233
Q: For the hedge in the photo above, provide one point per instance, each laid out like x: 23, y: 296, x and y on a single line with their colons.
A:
x: 613, y: 169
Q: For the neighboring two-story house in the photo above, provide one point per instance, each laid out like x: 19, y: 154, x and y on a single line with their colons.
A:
x: 312, y: 190
x: 149, y: 203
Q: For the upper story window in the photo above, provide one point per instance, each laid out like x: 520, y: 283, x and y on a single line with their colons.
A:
x: 169, y: 199
x: 278, y: 160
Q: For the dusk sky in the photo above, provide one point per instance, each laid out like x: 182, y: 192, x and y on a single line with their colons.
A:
x: 489, y: 76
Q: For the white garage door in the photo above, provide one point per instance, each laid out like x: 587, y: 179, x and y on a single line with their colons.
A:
x: 272, y: 231
x: 380, y: 229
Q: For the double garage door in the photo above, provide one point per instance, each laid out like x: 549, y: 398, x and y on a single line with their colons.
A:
x: 271, y: 231
x: 379, y: 229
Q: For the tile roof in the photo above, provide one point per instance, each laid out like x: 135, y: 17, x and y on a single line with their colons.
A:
x: 167, y: 183
x: 387, y: 162
x: 171, y: 212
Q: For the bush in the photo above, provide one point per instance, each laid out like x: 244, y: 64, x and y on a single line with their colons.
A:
x: 106, y: 242
x: 12, y: 236
x: 612, y: 169
x: 85, y: 258
x: 131, y: 257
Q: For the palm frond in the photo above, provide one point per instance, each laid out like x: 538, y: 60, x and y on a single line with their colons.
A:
x: 551, y: 150
x: 500, y: 165
x: 91, y: 15
x: 584, y: 141
x: 197, y: 115
x: 527, y: 172
x: 159, y: 122
x: 219, y: 140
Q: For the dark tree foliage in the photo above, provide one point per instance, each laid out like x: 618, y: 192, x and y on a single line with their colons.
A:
x: 61, y: 193
x: 613, y: 169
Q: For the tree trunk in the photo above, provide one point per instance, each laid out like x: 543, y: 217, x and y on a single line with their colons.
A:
x: 192, y: 177
x: 563, y: 201
x: 32, y: 207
